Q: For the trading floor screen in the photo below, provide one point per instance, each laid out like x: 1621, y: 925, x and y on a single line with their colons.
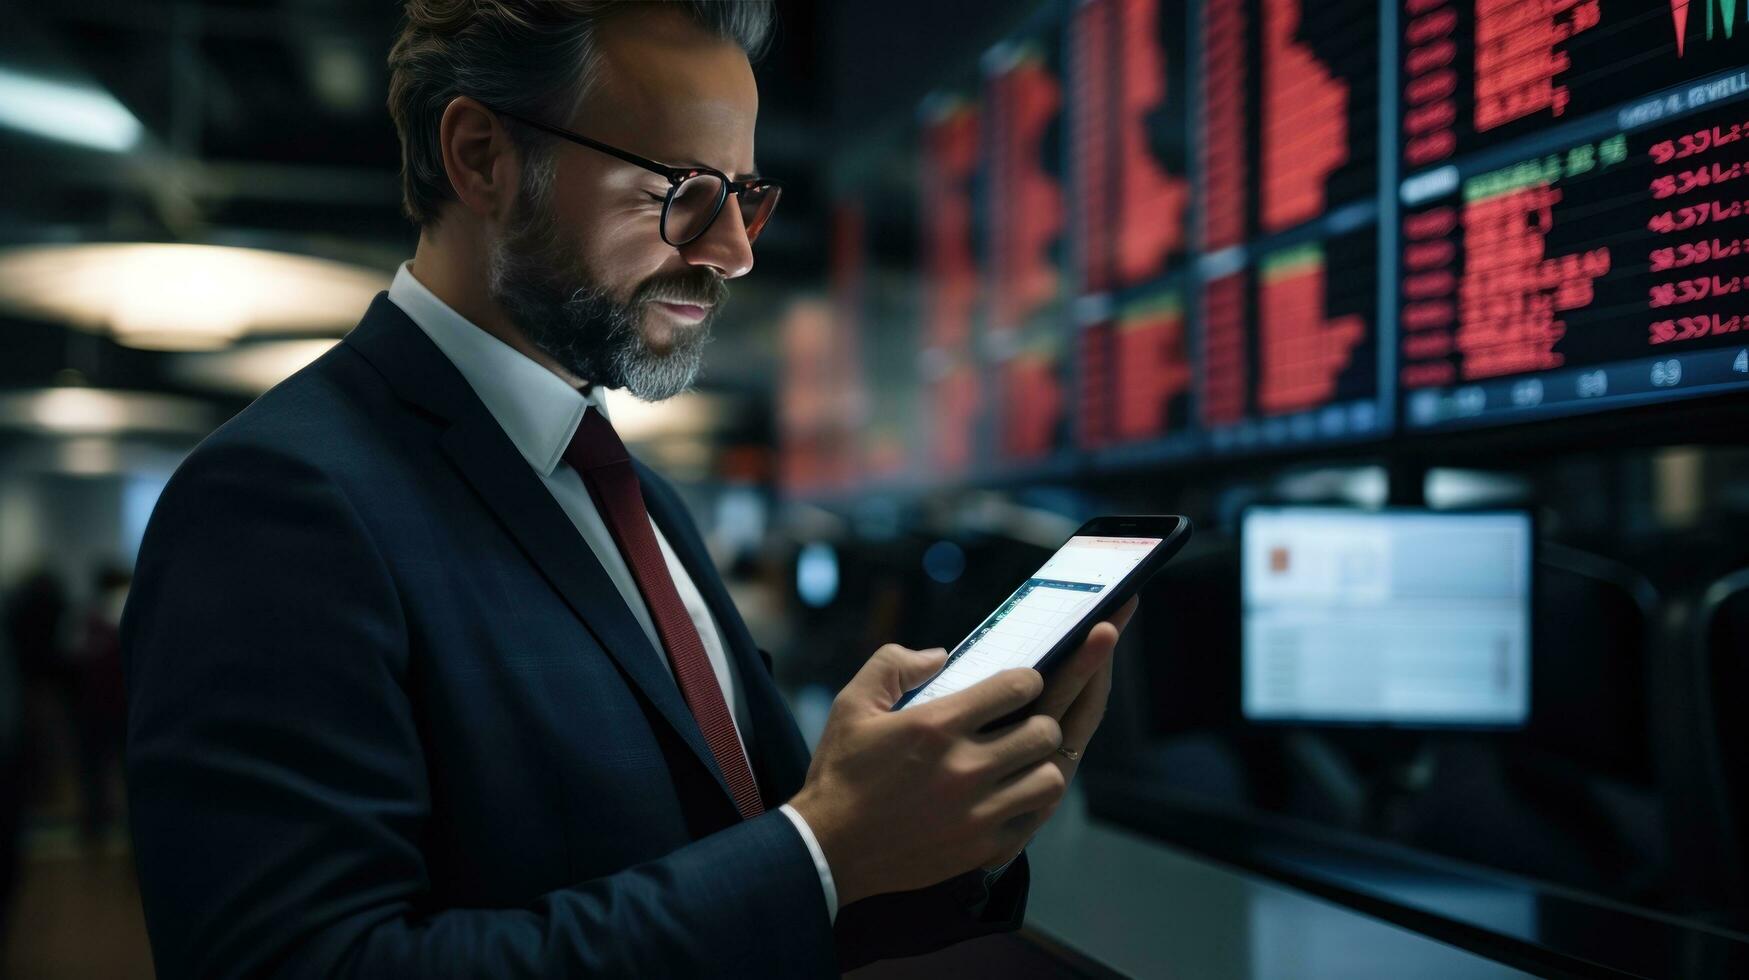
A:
x: 1228, y: 167
x: 1574, y: 226
x: 1151, y: 231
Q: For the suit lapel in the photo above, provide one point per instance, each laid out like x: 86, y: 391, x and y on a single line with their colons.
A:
x: 781, y: 758
x: 489, y: 461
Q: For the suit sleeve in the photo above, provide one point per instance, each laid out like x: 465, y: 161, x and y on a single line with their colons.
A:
x: 916, y: 922
x: 277, y: 784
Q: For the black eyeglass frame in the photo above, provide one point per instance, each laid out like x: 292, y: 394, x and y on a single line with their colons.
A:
x: 675, y: 175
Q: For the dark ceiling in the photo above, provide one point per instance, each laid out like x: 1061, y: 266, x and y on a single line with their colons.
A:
x: 279, y: 103
x: 266, y: 126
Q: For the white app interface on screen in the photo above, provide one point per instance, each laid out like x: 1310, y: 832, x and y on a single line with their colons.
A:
x: 1040, y: 613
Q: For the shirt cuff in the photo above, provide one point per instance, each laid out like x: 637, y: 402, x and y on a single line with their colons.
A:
x: 991, y: 876
x: 820, y: 864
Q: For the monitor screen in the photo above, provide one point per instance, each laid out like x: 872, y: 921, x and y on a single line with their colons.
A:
x: 1139, y: 232
x: 1225, y: 198
x: 1573, y: 206
x: 1398, y: 617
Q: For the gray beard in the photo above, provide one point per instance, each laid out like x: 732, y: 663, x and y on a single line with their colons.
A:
x: 583, y: 328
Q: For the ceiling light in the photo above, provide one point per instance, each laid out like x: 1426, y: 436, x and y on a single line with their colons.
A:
x: 247, y: 369
x: 66, y: 111
x: 99, y: 411
x: 185, y: 297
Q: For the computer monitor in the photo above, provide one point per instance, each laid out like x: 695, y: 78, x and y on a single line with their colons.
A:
x: 1395, y: 617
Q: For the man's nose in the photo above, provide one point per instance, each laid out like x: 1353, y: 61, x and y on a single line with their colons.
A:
x: 724, y: 245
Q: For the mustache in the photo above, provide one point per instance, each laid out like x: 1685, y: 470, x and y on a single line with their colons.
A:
x: 698, y: 286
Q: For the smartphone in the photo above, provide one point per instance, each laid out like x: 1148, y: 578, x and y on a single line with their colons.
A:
x: 1045, y: 621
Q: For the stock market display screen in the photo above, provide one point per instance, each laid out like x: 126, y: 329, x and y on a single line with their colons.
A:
x: 1130, y: 110
x: 1025, y: 344
x: 1288, y: 270
x: 1151, y: 230
x: 1227, y: 187
x: 1575, y: 208
x: 953, y: 382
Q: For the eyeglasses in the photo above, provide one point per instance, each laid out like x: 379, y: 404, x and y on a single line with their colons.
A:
x: 695, y: 194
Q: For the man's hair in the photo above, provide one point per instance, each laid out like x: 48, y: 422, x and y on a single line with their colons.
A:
x: 536, y: 58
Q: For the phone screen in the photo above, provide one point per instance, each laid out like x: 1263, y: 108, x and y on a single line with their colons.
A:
x: 1046, y: 608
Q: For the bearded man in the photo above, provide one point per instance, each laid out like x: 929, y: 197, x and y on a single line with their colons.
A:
x: 429, y: 678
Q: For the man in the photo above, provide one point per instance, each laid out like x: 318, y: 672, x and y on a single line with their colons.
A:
x: 427, y: 678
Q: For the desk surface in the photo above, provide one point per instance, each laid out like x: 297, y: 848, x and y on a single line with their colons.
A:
x: 1149, y: 910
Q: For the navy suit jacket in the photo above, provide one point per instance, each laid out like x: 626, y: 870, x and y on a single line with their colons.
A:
x: 388, y: 717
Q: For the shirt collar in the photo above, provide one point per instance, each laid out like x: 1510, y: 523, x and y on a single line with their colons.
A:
x: 536, y: 408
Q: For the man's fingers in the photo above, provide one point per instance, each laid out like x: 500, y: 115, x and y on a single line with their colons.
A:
x: 989, y: 699
x: 1084, y: 715
x: 1121, y: 618
x: 1067, y: 681
x: 1038, y: 786
x: 894, y: 669
x: 1029, y: 797
x: 1031, y: 740
x: 1066, y: 684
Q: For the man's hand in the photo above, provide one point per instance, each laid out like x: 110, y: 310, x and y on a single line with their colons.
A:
x: 901, y: 800
x: 1075, y: 697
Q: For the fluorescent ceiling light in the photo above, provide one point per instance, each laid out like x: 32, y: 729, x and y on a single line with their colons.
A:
x: 185, y: 297
x: 99, y: 411
x: 67, y: 111
x: 247, y: 369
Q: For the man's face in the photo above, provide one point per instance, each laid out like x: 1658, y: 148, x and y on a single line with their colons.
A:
x: 580, y: 265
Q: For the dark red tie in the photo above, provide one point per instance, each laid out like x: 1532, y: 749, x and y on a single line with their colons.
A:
x: 601, y: 459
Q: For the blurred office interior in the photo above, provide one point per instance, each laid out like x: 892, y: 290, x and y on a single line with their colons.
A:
x: 1432, y: 314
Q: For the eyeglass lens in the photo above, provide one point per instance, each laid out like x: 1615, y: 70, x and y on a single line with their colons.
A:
x: 694, y: 204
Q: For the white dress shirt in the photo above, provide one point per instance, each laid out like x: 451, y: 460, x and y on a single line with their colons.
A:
x: 539, y: 411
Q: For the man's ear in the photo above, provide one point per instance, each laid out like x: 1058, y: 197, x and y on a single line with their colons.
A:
x: 478, y: 157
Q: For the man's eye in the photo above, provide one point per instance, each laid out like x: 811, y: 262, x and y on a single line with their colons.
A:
x: 658, y: 198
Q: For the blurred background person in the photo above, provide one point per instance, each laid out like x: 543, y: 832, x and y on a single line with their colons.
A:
x: 99, y: 704
x: 12, y: 776
x: 38, y: 624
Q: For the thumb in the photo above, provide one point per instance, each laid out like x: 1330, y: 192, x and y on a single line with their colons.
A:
x: 893, y: 670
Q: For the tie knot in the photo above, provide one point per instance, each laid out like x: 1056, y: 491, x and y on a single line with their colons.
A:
x: 595, y: 444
